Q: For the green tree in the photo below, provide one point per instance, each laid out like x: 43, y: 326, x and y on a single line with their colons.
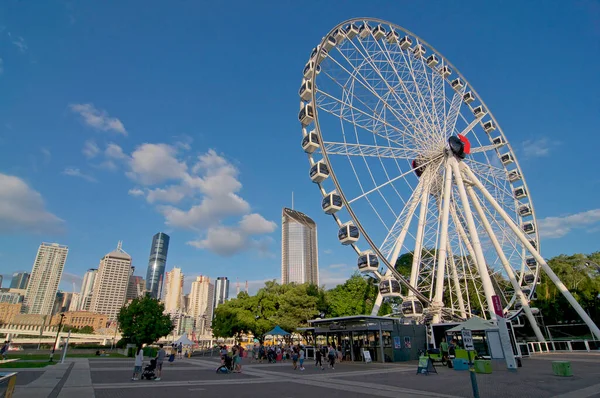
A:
x: 356, y: 296
x: 143, y: 321
x: 87, y: 330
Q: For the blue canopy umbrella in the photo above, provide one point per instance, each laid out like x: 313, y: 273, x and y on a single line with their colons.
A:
x: 277, y: 331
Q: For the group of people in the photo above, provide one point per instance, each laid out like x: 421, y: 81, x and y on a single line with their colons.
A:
x: 233, y: 362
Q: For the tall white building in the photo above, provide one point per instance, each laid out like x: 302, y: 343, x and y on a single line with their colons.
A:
x: 173, y: 290
x: 87, y: 288
x: 221, y: 290
x: 75, y: 302
x: 299, y: 251
x: 110, y: 286
x: 45, y: 277
x: 201, y: 304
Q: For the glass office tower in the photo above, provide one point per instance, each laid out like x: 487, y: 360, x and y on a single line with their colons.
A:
x: 299, y: 252
x: 156, y: 265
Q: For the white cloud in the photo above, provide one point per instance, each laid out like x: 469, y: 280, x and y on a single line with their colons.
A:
x: 209, y: 212
x: 328, y: 251
x: 332, y: 278
x: 22, y: 208
x: 114, y: 151
x: 557, y: 227
x: 136, y: 192
x: 255, y: 224
x: 537, y: 148
x: 75, y: 172
x: 98, y: 118
x: 47, y: 155
x: 172, y: 194
x: 90, y: 149
x: 19, y: 42
x: 152, y: 164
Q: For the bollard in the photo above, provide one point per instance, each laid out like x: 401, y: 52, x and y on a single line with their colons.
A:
x: 562, y: 368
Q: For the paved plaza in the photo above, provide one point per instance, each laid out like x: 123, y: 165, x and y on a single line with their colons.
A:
x: 195, y: 377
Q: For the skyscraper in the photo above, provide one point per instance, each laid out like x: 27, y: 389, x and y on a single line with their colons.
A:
x: 45, y: 277
x: 87, y: 288
x: 201, y: 303
x: 110, y: 286
x: 299, y: 251
x: 135, y: 288
x: 19, y: 280
x: 173, y: 290
x: 156, y: 264
x: 221, y: 290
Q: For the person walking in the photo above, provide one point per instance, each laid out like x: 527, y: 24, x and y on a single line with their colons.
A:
x: 295, y: 357
x: 4, y: 350
x: 160, y: 359
x: 139, y: 362
x: 331, y: 355
x: 180, y: 351
x: 318, y: 359
x: 301, y: 357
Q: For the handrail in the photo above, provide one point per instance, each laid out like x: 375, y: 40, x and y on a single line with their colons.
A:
x: 540, y: 347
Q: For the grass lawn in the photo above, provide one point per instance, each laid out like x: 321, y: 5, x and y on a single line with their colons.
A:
x: 19, y: 364
x: 58, y: 356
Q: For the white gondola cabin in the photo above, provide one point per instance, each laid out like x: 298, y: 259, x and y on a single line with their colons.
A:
x: 306, y: 90
x: 445, y: 71
x: 488, y: 126
x: 419, y: 51
x: 310, y: 142
x: 499, y: 141
x: 518, y: 305
x: 520, y: 193
x: 390, y: 287
x: 318, y: 56
x: 468, y: 97
x: 306, y: 114
x: 531, y: 262
x: 525, y: 210
x: 319, y: 172
x: 368, y: 262
x: 348, y: 234
x: 392, y: 37
x: 528, y: 227
x: 479, y: 112
x: 405, y: 42
x: 308, y: 69
x: 412, y: 307
x: 351, y: 31
x: 529, y: 278
x: 364, y: 30
x: 514, y: 175
x: 432, y: 61
x: 378, y: 32
x: 506, y: 158
x: 331, y: 203
x: 339, y: 36
x: 330, y: 43
x: 533, y: 243
x: 529, y: 294
x: 457, y: 84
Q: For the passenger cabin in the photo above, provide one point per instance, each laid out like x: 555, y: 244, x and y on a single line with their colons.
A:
x: 468, y: 97
x: 479, y: 112
x: 378, y: 32
x: 368, y: 262
x: 317, y: 55
x: 306, y: 90
x: 364, y: 30
x: 529, y: 278
x: 520, y: 192
x: 348, y: 234
x: 306, y: 114
x: 405, y: 42
x: 412, y: 308
x: 390, y: 287
x: 531, y: 262
x: 506, y: 159
x: 339, y: 36
x: 329, y: 43
x: 432, y: 61
x: 419, y: 50
x: 392, y: 37
x: 310, y: 142
x: 331, y: 203
x: 351, y: 31
x: 457, y: 84
x: 514, y: 175
x: 319, y: 172
x: 529, y: 294
x: 499, y: 141
x: 528, y: 227
x: 445, y: 71
x: 488, y: 126
x: 533, y: 243
x: 525, y: 210
x: 308, y: 69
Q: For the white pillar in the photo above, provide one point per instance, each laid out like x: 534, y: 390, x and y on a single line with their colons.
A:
x: 416, y: 263
x: 461, y: 302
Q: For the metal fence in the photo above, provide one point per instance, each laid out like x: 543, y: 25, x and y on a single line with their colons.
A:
x: 537, y: 347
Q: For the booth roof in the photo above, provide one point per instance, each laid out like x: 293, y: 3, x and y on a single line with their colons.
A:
x: 277, y: 331
x: 351, y: 318
x: 184, y: 340
x: 474, y: 323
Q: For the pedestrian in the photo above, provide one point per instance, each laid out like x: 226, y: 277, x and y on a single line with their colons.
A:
x: 237, y: 360
x: 295, y: 357
x: 318, y: 359
x: 444, y: 348
x: 180, y: 351
x: 160, y: 358
x: 139, y: 362
x: 331, y: 356
x: 301, y: 357
x: 4, y: 350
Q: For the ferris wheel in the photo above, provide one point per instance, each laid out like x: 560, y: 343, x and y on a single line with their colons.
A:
x: 411, y: 164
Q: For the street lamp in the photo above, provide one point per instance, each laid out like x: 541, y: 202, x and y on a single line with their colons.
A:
x: 62, y: 316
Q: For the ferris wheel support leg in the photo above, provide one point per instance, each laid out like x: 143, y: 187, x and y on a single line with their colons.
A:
x: 507, y: 268
x: 486, y: 281
x: 456, y: 282
x: 523, y: 238
x: 438, y: 297
x: 416, y: 263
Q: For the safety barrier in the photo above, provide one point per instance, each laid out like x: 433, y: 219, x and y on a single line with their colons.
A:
x: 537, y: 347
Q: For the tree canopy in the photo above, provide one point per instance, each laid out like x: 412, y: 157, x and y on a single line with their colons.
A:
x: 143, y: 321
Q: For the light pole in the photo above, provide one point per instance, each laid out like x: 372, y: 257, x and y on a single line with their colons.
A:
x: 62, y: 316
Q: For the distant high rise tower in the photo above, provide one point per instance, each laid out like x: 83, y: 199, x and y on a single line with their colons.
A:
x: 299, y: 251
x: 173, y: 290
x: 110, y: 286
x: 221, y: 290
x: 45, y: 277
x: 19, y: 280
x: 157, y: 264
x: 87, y: 288
x: 136, y: 287
x: 201, y: 303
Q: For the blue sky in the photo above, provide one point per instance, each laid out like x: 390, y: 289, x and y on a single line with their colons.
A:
x: 118, y: 117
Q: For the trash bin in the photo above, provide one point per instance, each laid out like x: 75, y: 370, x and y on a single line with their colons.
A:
x: 7, y: 384
x: 460, y: 364
x: 562, y: 368
x: 483, y: 366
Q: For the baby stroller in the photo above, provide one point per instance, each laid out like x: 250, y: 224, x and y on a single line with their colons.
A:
x: 227, y: 366
x: 148, y: 372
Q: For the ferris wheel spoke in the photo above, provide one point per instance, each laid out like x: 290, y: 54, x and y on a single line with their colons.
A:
x: 486, y: 148
x: 454, y: 111
x: 343, y: 149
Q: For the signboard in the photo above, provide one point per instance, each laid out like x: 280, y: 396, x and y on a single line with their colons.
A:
x: 511, y: 363
x: 497, y: 306
x: 407, y: 343
x: 397, y: 343
x: 425, y: 366
x: 367, y: 356
x: 467, y: 339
